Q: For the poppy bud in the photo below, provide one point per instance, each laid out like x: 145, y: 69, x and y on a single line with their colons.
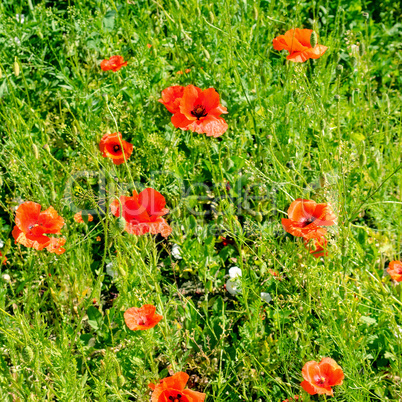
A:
x: 16, y: 68
x: 255, y: 9
x: 339, y: 69
x: 27, y: 354
x: 362, y: 49
x: 258, y: 217
x: 121, y: 380
x: 35, y: 150
x: 362, y: 159
x: 313, y: 39
x: 207, y: 55
x: 47, y: 148
x: 121, y: 223
x: 211, y: 16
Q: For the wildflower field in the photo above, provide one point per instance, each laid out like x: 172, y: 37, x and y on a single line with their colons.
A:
x: 200, y: 200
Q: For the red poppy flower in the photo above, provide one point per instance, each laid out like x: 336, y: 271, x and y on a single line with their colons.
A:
x: 149, y: 45
x: 200, y: 111
x: 297, y: 43
x: 171, y: 389
x: 395, y: 270
x: 317, y: 247
x: 32, y: 225
x: 78, y: 217
x: 187, y: 70
x: 56, y: 245
x: 171, y: 98
x: 306, y: 217
x: 141, y: 318
x: 113, y: 146
x: 3, y: 258
x: 115, y: 63
x: 143, y: 213
x: 320, y: 377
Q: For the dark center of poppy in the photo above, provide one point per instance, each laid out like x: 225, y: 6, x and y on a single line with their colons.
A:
x: 198, y: 111
x: 142, y: 321
x: 320, y: 380
x: 309, y: 220
x: 176, y: 398
x: 116, y: 148
x: 30, y: 227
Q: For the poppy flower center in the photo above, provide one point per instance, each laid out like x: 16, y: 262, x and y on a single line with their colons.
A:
x: 309, y: 220
x: 143, y: 321
x: 320, y: 380
x: 198, y: 111
x: 116, y: 148
x: 30, y: 227
x: 177, y: 398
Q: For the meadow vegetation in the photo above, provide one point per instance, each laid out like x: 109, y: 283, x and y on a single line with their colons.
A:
x: 327, y: 130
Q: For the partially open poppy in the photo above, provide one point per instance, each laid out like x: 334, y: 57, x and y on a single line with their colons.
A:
x: 143, y: 213
x: 200, y: 111
x: 32, y: 225
x: 297, y: 43
x: 113, y: 146
x: 395, y: 270
x: 78, y: 217
x: 317, y: 247
x: 115, y: 63
x: 171, y: 389
x: 171, y: 98
x: 3, y: 258
x: 141, y: 318
x: 320, y: 377
x: 306, y: 218
x: 56, y: 245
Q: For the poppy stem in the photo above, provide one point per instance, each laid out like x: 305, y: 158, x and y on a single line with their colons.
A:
x: 121, y: 146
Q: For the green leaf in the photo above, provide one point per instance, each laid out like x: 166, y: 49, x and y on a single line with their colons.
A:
x: 95, y: 319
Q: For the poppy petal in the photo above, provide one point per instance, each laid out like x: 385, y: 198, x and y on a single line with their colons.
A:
x: 27, y: 215
x: 188, y: 101
x: 212, y: 126
x: 153, y: 201
x: 308, y: 387
x: 194, y: 395
x: 209, y: 99
x: 303, y: 36
x: 179, y: 120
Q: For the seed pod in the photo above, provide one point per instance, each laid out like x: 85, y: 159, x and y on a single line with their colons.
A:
x: 121, y: 223
x: 16, y: 68
x: 313, y: 39
x: 121, y: 380
x: 362, y: 49
x: 35, y: 150
x: 27, y: 354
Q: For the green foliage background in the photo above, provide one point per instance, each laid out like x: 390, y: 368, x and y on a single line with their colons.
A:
x: 316, y: 130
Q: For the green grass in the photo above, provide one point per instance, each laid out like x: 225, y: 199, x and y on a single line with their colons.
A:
x: 295, y: 131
